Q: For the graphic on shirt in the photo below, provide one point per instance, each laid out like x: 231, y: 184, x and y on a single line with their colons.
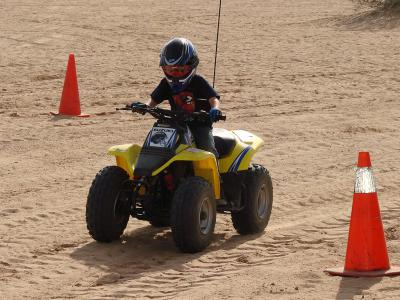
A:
x: 185, y: 101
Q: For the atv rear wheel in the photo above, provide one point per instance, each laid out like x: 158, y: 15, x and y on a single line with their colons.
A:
x: 193, y: 215
x: 257, y: 198
x: 108, y: 204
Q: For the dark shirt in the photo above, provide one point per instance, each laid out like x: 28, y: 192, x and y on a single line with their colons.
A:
x: 194, y: 98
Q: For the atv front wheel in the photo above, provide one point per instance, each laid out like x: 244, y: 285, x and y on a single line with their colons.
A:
x: 257, y: 199
x: 193, y: 215
x: 108, y: 204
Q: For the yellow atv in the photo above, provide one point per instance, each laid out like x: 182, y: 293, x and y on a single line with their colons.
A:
x: 170, y: 182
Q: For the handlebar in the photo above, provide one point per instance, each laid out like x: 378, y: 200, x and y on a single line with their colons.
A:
x: 166, y: 114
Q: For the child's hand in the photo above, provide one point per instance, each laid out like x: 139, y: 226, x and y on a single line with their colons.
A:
x: 138, y: 105
x: 215, y: 114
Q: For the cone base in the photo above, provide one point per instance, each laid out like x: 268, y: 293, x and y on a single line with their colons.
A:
x: 393, y: 271
x: 59, y: 114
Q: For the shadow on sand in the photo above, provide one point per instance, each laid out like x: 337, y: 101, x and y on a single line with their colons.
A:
x: 376, y: 19
x: 147, y: 249
x: 350, y: 286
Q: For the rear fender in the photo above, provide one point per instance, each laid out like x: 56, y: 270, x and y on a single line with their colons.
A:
x: 204, y: 165
x: 247, y: 144
x: 126, y: 156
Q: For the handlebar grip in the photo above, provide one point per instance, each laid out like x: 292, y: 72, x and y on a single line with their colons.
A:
x: 123, y: 108
x: 222, y: 118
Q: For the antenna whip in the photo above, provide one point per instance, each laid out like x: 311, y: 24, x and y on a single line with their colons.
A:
x: 216, y: 44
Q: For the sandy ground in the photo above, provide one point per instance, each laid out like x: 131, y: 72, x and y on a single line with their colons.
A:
x: 317, y: 80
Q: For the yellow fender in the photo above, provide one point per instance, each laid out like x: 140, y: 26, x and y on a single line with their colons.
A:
x: 204, y: 165
x: 126, y: 156
x: 247, y: 144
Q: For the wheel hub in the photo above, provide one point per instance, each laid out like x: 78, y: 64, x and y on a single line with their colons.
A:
x: 262, y: 203
x: 205, y: 216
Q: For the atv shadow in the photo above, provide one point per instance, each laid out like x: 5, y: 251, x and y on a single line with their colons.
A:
x: 148, y: 249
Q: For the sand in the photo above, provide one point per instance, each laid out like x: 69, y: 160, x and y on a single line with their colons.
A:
x: 317, y: 80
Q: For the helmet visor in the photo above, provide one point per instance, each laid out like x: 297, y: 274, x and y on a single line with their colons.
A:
x: 177, y: 71
x: 179, y: 84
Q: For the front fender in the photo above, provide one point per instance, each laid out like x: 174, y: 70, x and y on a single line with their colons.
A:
x: 204, y: 165
x: 126, y: 156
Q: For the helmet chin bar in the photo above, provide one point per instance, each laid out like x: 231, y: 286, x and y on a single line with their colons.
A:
x: 178, y: 85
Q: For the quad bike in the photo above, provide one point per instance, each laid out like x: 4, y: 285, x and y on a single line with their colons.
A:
x: 170, y: 182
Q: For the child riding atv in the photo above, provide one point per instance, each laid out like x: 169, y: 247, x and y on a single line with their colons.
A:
x: 185, y: 90
x: 184, y: 172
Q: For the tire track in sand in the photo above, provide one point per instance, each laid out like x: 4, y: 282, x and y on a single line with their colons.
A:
x: 223, y: 259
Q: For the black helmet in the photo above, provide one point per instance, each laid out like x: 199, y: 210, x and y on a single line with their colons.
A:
x: 178, y: 59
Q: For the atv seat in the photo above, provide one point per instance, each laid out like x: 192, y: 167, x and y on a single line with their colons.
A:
x: 224, y: 141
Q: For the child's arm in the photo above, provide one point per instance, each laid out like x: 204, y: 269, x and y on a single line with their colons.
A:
x: 215, y: 112
x: 214, y: 102
x: 152, y: 103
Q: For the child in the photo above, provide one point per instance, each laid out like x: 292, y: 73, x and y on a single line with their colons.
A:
x: 183, y: 89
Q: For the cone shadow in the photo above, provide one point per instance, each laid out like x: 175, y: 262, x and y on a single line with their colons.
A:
x: 350, y: 287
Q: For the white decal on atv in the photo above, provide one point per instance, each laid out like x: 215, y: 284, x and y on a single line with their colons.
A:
x: 244, y: 136
x: 188, y: 138
x: 161, y: 137
x: 194, y: 150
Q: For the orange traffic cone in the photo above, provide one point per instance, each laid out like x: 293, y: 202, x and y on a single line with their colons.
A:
x: 366, y: 254
x: 69, y: 104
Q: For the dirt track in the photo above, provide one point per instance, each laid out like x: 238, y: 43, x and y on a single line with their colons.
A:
x: 317, y: 80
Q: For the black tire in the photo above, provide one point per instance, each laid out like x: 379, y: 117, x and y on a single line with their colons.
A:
x: 108, y: 205
x: 193, y: 215
x: 257, y: 197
